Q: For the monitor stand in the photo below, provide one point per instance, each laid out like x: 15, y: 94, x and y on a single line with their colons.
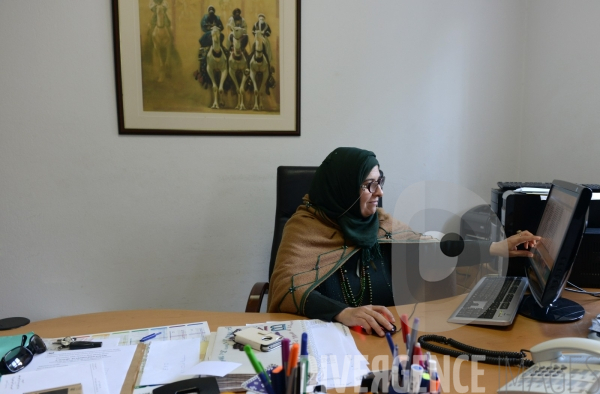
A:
x: 13, y: 322
x: 560, y: 311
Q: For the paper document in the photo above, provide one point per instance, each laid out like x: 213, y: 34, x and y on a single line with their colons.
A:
x: 144, y: 390
x: 116, y: 362
x: 339, y: 362
x: 164, y: 333
x: 85, y: 378
x: 532, y: 190
x: 168, y: 361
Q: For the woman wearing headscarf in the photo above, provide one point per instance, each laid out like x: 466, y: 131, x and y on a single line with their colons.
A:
x: 330, y: 264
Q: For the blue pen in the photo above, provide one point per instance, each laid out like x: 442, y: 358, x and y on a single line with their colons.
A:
x: 304, y: 346
x: 265, y: 381
x: 388, y: 336
x: 149, y: 337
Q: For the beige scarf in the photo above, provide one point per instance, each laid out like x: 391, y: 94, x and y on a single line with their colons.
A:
x: 312, y: 248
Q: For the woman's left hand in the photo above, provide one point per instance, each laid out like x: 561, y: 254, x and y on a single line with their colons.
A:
x: 508, y: 247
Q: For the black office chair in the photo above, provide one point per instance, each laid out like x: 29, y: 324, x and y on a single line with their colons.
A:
x: 292, y: 184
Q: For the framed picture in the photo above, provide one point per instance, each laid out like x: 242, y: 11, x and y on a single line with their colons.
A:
x: 207, y: 67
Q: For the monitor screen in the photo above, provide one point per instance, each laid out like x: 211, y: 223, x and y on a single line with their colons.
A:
x: 553, y: 229
x: 561, y: 229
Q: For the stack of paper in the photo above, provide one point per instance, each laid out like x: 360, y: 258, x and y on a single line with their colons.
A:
x: 114, y: 366
x: 334, y: 359
x: 532, y: 190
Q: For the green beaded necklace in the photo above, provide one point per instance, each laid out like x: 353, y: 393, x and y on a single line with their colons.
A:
x: 365, y: 281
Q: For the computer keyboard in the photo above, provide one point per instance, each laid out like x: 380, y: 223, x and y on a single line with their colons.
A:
x: 493, y: 301
x: 542, y: 185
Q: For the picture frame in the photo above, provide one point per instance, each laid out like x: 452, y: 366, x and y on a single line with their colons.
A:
x: 167, y: 54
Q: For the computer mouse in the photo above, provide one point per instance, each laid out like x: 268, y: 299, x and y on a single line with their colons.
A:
x: 392, y: 331
x: 594, y: 335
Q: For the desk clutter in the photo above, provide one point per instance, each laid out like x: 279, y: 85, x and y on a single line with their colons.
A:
x: 142, y: 361
x: 417, y: 376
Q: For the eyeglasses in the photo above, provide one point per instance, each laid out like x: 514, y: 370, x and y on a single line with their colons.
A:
x: 372, y: 186
x: 20, y: 357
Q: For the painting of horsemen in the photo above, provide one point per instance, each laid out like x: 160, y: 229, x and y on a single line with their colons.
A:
x: 208, y: 66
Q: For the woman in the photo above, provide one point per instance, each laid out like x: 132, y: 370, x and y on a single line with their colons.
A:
x: 330, y: 263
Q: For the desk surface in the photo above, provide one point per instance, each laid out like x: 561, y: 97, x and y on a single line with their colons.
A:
x: 522, y: 334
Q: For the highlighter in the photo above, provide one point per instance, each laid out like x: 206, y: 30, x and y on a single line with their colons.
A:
x: 255, y: 363
x: 293, y: 358
x: 433, y: 382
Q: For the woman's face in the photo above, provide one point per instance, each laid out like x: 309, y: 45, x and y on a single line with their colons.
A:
x: 368, y: 200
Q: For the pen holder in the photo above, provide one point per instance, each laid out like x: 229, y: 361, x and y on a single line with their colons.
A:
x: 382, y: 382
x: 254, y: 384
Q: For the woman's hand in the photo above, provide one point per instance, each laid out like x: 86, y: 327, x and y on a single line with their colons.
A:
x: 370, y: 317
x: 508, y: 247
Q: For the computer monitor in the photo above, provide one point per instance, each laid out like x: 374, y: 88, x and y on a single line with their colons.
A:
x: 561, y: 228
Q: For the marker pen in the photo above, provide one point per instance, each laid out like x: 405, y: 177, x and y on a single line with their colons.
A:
x: 404, y: 326
x: 434, y: 381
x: 416, y: 373
x: 304, y: 345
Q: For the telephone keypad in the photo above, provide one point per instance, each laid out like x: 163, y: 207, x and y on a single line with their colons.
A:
x: 578, y: 376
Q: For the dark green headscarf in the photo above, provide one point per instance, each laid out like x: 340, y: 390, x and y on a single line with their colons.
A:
x: 336, y: 187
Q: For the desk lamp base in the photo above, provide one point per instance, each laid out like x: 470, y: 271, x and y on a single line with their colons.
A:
x: 13, y: 322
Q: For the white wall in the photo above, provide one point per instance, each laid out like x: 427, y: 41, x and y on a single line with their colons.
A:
x: 561, y: 138
x: 94, y: 221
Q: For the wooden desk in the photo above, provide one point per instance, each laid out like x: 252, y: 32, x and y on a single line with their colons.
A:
x: 463, y: 377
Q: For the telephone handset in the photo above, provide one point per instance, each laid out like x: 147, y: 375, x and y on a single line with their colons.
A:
x: 566, y: 365
x: 552, y: 349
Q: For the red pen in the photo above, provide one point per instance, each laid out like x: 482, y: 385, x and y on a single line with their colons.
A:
x: 404, y: 326
x: 418, y: 355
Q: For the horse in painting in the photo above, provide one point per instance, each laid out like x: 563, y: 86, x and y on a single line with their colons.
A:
x: 216, y: 66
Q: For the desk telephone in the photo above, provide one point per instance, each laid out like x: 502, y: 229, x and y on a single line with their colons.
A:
x: 577, y: 371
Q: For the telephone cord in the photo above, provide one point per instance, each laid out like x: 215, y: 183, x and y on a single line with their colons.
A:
x: 473, y: 353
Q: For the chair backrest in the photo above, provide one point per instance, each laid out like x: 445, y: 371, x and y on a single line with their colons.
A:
x: 293, y: 182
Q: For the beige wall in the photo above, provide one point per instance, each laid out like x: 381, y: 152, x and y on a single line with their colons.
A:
x: 95, y: 221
